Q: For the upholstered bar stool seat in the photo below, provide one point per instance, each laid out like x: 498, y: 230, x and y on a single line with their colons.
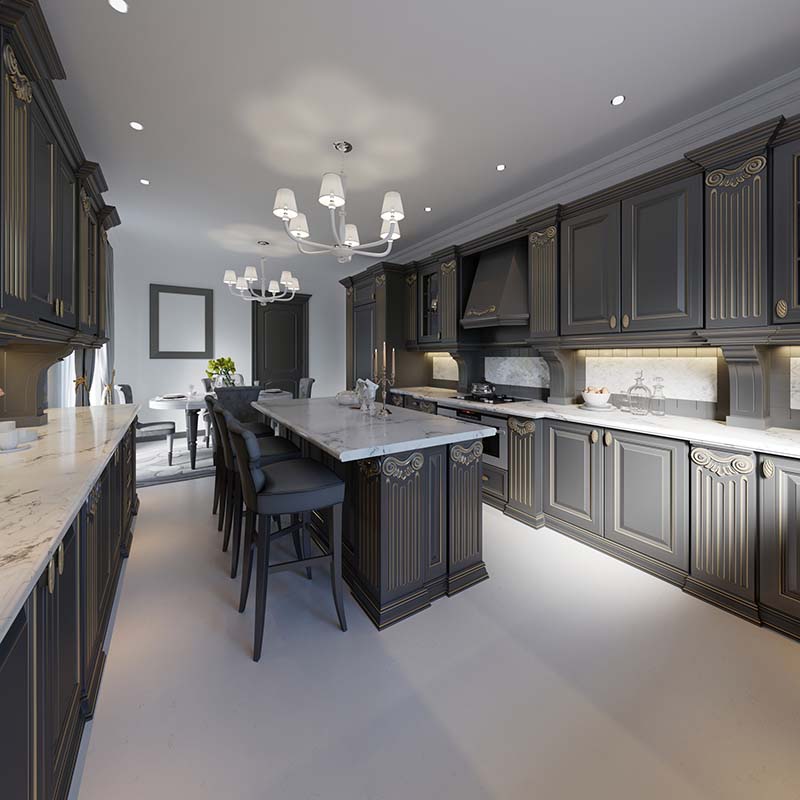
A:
x: 297, y: 486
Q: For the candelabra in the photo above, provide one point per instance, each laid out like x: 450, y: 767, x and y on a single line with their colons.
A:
x: 383, y: 378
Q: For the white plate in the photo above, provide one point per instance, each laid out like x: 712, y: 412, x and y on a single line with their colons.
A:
x: 609, y: 407
x: 18, y: 449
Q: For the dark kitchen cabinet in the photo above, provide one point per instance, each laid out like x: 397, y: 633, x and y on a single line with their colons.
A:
x: 494, y: 482
x: 590, y: 271
x: 662, y: 258
x: 364, y: 342
x: 17, y: 704
x: 724, y: 529
x: 573, y: 475
x: 66, y: 228
x: 780, y: 542
x: 786, y: 233
x: 88, y: 265
x: 364, y: 291
x: 524, y: 470
x: 412, y: 323
x: 647, y: 495
x: 429, y: 308
x: 416, y: 404
x: 58, y: 604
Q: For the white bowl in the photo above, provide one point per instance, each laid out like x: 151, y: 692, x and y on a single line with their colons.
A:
x: 347, y: 399
x: 595, y: 399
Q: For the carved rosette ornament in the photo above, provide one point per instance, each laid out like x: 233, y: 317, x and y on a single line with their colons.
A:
x: 466, y: 455
x: 475, y: 312
x: 722, y: 466
x: 86, y: 205
x: 411, y: 279
x: 731, y: 178
x: 521, y: 428
x: 543, y: 238
x: 448, y: 267
x: 370, y: 468
x: 20, y: 83
x: 380, y: 280
x: 403, y: 469
x: 349, y: 291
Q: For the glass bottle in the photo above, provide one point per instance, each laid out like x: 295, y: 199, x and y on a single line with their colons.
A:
x: 658, y: 403
x: 639, y: 396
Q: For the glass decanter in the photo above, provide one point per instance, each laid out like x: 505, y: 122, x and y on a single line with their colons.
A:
x: 639, y: 396
x: 658, y: 403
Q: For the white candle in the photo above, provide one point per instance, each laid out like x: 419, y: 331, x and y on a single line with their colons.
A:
x: 384, y: 355
x: 393, y: 372
x: 375, y: 364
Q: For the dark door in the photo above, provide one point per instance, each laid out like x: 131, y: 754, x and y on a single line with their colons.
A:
x: 647, y: 495
x: 590, y: 271
x: 786, y: 232
x: 574, y: 475
x: 662, y: 258
x: 364, y: 338
x: 42, y: 207
x: 280, y: 343
x: 16, y: 719
x: 780, y: 535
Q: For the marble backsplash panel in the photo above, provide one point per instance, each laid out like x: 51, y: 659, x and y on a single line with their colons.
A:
x: 444, y: 367
x: 794, y: 401
x: 683, y: 378
x: 517, y: 371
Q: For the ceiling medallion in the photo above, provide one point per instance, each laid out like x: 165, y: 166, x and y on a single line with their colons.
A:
x: 347, y: 242
x: 241, y: 286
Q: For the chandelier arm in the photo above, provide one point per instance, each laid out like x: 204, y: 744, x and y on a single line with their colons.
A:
x: 392, y: 227
x: 335, y: 228
x: 326, y: 248
x: 359, y: 252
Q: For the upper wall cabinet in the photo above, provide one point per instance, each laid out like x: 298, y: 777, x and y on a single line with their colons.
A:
x: 543, y: 281
x: 438, y: 303
x: 786, y: 233
x: 662, y: 258
x: 590, y: 271
x: 412, y: 318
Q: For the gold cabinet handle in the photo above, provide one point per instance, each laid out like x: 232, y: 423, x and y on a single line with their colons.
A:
x: 595, y: 437
x: 612, y: 322
x: 484, y: 478
x: 626, y: 321
x: 781, y: 308
x: 51, y: 575
x: 61, y: 559
x: 607, y: 439
x: 767, y: 469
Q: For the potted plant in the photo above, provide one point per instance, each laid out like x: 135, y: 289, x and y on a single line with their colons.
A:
x: 221, y: 371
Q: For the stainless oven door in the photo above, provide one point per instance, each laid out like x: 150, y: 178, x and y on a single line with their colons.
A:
x: 495, y: 448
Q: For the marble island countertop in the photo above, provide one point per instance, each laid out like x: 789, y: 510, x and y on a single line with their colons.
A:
x: 348, y: 435
x: 42, y: 489
x: 772, y: 441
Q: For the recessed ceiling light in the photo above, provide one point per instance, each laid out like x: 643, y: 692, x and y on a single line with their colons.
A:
x: 137, y: 126
x: 119, y: 5
x: 428, y: 209
x: 144, y: 181
x: 500, y: 167
x: 618, y: 100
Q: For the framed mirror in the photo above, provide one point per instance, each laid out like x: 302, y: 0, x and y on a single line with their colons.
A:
x: 181, y: 322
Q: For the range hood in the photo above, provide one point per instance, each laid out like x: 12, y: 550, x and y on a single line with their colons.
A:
x: 499, y: 294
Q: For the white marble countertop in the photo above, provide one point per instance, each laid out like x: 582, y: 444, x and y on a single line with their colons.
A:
x: 348, y: 435
x: 773, y: 441
x: 42, y: 490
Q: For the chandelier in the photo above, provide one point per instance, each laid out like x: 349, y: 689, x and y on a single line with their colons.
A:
x: 345, y: 235
x: 241, y: 286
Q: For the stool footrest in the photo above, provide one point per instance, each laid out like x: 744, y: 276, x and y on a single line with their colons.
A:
x: 301, y: 562
x: 281, y: 532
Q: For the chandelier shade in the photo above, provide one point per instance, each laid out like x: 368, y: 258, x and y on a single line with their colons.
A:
x: 285, y: 205
x: 331, y: 192
x: 390, y: 230
x: 242, y: 286
x: 250, y: 274
x: 351, y: 236
x: 229, y: 278
x: 392, y: 207
x: 298, y: 227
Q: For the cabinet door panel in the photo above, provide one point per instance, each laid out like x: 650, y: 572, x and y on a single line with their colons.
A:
x: 590, y: 272
x: 66, y: 230
x: 411, y: 308
x: 428, y: 303
x: 780, y: 535
x: 647, y: 496
x: 524, y: 467
x: 573, y: 475
x: 363, y: 340
x: 786, y: 233
x: 449, y: 312
x: 662, y: 258
x: 16, y: 702
x: 364, y: 291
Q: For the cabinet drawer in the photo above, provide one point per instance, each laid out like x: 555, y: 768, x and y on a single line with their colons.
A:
x: 395, y: 399
x: 495, y: 482
x: 426, y: 406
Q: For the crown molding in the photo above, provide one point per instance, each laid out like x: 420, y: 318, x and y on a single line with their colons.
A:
x: 780, y: 96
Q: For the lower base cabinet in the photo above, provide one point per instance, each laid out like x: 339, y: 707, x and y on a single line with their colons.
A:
x: 525, y: 471
x: 494, y: 484
x: 51, y: 659
x: 779, y: 544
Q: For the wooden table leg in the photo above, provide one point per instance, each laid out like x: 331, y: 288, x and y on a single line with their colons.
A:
x: 191, y: 434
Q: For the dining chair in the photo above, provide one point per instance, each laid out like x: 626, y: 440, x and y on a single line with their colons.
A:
x: 149, y: 430
x: 304, y: 388
x: 208, y: 387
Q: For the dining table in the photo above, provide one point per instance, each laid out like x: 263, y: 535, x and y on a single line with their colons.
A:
x: 192, y: 405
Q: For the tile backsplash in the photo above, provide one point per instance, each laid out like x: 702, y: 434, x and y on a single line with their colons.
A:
x: 517, y: 371
x: 693, y: 378
x: 794, y: 398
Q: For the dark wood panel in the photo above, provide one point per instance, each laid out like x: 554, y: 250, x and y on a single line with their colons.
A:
x: 66, y: 231
x: 590, y: 272
x: 543, y: 282
x: 364, y: 340
x: 524, y: 470
x: 662, y: 258
x: 786, y: 233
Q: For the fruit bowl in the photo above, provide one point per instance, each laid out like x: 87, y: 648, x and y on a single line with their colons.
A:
x: 596, y: 397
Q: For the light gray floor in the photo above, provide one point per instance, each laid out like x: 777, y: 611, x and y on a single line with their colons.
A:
x: 566, y: 675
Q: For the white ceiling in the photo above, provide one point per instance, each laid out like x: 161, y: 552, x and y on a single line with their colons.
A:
x: 243, y: 96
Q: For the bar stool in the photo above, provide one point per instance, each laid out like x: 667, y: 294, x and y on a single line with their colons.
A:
x: 267, y: 450
x: 219, y: 461
x: 298, y: 486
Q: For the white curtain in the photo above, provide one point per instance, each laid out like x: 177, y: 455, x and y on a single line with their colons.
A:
x: 61, y: 383
x: 101, y: 377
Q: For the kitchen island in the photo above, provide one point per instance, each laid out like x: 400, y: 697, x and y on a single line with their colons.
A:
x: 412, y: 519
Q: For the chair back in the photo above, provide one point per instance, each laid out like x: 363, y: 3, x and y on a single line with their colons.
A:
x: 221, y: 429
x: 245, y: 446
x: 207, y: 385
x: 304, y: 390
x: 126, y: 392
x: 215, y: 438
x: 237, y: 400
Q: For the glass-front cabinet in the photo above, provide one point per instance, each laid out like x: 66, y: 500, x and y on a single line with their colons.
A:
x: 429, y: 301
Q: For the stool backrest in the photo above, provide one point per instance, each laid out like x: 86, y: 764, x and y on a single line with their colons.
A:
x: 304, y: 390
x: 245, y: 445
x: 224, y: 437
x: 237, y: 399
x: 216, y: 438
x: 207, y: 385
